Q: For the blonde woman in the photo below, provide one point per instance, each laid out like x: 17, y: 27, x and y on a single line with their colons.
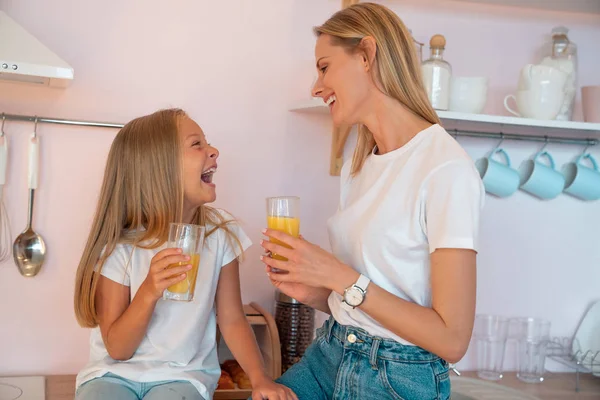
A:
x: 160, y: 170
x: 400, y: 284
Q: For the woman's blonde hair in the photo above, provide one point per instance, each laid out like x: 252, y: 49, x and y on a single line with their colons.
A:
x: 398, y: 66
x: 141, y: 193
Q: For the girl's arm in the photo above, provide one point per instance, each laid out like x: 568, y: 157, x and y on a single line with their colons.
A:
x: 239, y: 336
x: 124, y: 324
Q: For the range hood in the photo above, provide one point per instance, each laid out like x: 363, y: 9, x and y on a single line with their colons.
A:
x: 23, y: 58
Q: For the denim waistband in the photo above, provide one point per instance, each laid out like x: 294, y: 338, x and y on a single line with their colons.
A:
x: 374, y: 347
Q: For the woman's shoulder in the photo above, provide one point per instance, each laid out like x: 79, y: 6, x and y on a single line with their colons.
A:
x: 444, y: 147
x: 443, y: 151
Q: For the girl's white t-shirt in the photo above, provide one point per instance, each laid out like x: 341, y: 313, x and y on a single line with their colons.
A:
x: 180, y: 343
x: 400, y: 208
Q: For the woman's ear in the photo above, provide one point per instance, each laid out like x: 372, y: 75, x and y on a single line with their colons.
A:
x: 369, y: 48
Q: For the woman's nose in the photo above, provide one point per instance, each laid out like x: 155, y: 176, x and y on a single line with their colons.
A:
x: 317, y: 88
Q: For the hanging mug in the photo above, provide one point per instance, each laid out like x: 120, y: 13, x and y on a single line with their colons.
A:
x: 498, y: 178
x: 539, y: 180
x: 580, y: 181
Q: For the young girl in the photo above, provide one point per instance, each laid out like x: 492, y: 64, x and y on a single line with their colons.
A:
x: 160, y: 170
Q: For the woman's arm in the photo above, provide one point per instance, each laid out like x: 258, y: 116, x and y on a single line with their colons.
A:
x: 123, y: 325
x: 444, y: 329
x: 314, y: 297
x: 239, y: 336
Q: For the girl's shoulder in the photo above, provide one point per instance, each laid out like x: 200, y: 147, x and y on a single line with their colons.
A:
x: 225, y: 235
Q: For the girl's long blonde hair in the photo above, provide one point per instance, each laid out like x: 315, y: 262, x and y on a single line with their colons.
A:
x: 398, y: 66
x: 142, y: 192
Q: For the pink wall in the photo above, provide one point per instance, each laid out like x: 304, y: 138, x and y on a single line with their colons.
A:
x: 236, y: 66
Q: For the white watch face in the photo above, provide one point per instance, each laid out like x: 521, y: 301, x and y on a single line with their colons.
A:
x: 353, y: 296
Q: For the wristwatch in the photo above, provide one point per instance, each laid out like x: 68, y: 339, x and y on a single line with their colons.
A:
x: 354, y: 295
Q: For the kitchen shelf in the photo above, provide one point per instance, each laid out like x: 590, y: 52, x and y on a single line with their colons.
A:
x: 575, y: 6
x: 267, y: 337
x: 318, y: 107
x: 479, y: 125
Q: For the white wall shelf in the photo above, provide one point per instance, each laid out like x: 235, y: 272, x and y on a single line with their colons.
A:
x: 318, y: 107
x: 575, y: 6
x: 482, y: 126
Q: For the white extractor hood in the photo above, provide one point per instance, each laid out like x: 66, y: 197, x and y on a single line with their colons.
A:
x: 23, y: 58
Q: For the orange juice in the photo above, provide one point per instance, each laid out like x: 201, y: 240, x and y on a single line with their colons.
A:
x: 189, y: 283
x: 289, y: 225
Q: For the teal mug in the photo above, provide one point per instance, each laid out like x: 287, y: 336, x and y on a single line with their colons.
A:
x: 498, y: 178
x: 580, y: 181
x: 539, y: 180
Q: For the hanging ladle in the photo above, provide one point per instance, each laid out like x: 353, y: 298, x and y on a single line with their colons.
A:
x: 29, y: 248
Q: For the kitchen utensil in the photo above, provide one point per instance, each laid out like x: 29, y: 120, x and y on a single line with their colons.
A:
x: 543, y: 104
x: 5, y: 234
x: 561, y: 53
x: 283, y: 214
x: 436, y: 74
x: 468, y: 94
x: 590, y: 101
x: 540, y: 92
x: 586, y: 342
x: 539, y: 180
x: 536, y: 77
x: 190, y: 239
x: 498, y: 178
x: 533, y: 336
x: 295, y: 322
x: 490, y: 335
x: 581, y: 181
x: 29, y: 248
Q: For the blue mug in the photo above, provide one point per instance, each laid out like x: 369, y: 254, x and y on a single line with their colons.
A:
x: 539, y: 180
x: 580, y: 181
x: 498, y: 178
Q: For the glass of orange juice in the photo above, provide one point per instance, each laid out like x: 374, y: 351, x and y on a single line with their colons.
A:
x: 283, y: 214
x: 189, y: 238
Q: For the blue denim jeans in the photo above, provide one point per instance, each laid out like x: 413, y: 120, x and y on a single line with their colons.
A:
x: 346, y: 363
x: 114, y: 387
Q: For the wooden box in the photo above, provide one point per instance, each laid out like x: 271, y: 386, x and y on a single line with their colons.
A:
x: 267, y: 337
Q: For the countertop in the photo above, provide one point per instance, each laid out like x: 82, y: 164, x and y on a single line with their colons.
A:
x: 555, y: 386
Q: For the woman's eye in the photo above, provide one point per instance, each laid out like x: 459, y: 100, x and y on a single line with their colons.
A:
x: 196, y: 144
x: 323, y: 69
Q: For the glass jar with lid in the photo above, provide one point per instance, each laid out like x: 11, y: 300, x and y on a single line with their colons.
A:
x: 437, y: 73
x: 561, y: 53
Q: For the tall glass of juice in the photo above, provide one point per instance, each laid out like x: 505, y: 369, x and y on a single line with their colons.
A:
x: 283, y: 214
x: 189, y: 238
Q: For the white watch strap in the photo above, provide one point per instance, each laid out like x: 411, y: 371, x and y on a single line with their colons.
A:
x: 363, y: 282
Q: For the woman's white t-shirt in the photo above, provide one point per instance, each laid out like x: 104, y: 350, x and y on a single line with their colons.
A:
x: 400, y: 208
x: 180, y: 343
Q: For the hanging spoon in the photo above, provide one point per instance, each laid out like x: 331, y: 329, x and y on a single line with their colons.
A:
x: 29, y: 248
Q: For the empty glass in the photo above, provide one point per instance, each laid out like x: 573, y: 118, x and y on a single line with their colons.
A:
x: 490, y: 335
x: 533, y: 335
